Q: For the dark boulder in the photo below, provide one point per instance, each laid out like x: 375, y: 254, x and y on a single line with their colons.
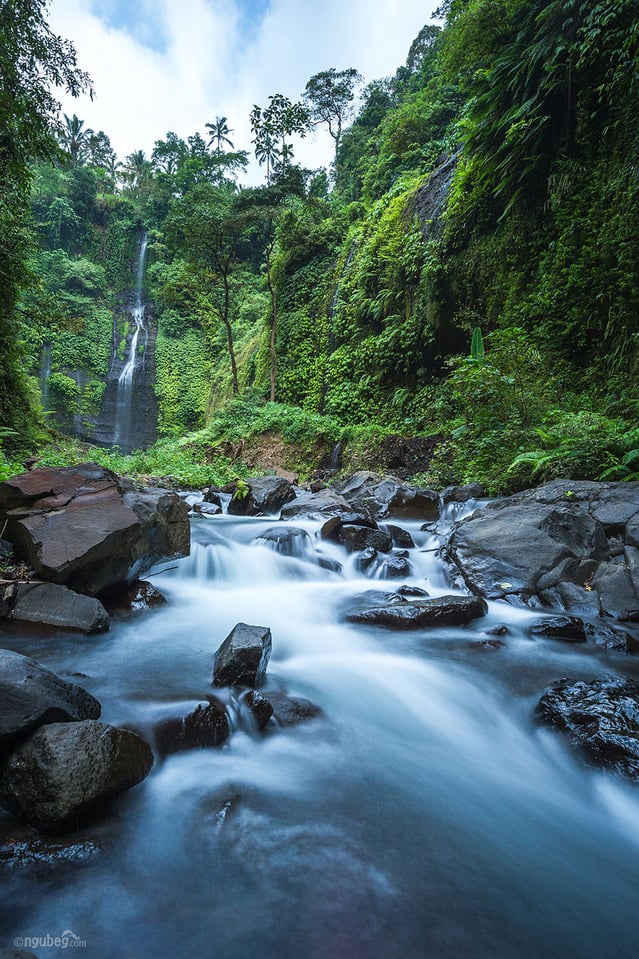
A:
x: 265, y: 497
x: 257, y: 708
x: 395, y: 567
x: 201, y: 727
x: 601, y: 718
x: 401, y: 537
x: 319, y: 505
x: 85, y: 528
x: 58, y: 606
x: 461, y: 494
x: 439, y: 611
x: 387, y: 496
x: 365, y: 559
x: 356, y: 538
x: 293, y: 710
x: 571, y: 629
x: 31, y: 696
x: 136, y: 597
x: 243, y: 657
x: 331, y: 528
x: 65, y: 769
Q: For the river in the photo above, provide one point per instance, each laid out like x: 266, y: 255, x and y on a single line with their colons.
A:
x: 426, y: 815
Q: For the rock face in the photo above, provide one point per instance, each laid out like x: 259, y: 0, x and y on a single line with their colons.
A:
x: 602, y: 718
x: 400, y: 613
x: 243, y: 657
x: 58, y: 606
x: 31, y: 696
x: 64, y: 769
x: 266, y: 497
x: 569, y: 545
x: 84, y: 528
x: 204, y: 726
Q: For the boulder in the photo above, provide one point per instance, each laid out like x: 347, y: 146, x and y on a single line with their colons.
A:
x: 365, y: 559
x: 331, y: 528
x: 386, y: 496
x: 417, y: 614
x: 243, y: 657
x: 551, y: 547
x: 58, y: 606
x: 293, y: 710
x: 31, y: 696
x: 571, y: 629
x: 601, y: 718
x: 400, y: 537
x: 266, y: 496
x: 135, y: 597
x: 258, y: 709
x: 318, y: 505
x: 65, y: 769
x: 202, y: 727
x: 461, y: 494
x: 84, y: 528
x: 395, y: 567
x: 356, y: 538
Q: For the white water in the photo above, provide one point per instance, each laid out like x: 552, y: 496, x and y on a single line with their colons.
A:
x: 134, y: 359
x: 425, y: 816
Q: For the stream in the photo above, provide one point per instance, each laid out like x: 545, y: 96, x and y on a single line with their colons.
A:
x: 425, y: 815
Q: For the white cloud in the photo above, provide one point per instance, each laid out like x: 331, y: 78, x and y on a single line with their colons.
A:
x: 211, y: 65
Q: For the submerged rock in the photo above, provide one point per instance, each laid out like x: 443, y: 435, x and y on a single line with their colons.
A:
x: 31, y: 696
x: 65, y: 769
x: 293, y: 710
x: 204, y: 726
x: 243, y: 657
x: 439, y: 611
x: 24, y: 848
x: 601, y: 717
x: 85, y: 528
x: 285, y: 540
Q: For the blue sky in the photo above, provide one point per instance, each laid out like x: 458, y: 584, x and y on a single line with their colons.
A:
x: 160, y: 65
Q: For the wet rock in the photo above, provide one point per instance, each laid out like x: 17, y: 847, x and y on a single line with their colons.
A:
x: 382, y: 496
x: 58, y: 606
x: 356, y: 538
x: 365, y: 559
x: 331, y: 528
x: 243, y: 657
x: 395, y: 567
x: 499, y: 630
x: 31, y: 696
x: 293, y: 710
x: 258, y: 708
x: 212, y: 497
x: 412, y: 591
x: 324, y: 503
x: 487, y: 645
x: 266, y: 496
x: 286, y: 540
x: 439, y: 611
x: 400, y: 537
x: 23, y: 848
x: 65, y: 769
x: 85, y: 528
x: 135, y: 597
x: 203, y: 727
x: 570, y: 629
x: 601, y: 718
x: 607, y: 637
x: 206, y: 509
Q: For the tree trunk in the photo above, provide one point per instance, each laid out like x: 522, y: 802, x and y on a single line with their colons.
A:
x: 229, y: 336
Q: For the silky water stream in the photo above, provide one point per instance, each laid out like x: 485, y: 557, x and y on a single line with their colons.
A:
x: 424, y: 816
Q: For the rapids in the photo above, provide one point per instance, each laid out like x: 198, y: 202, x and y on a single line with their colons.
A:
x: 425, y: 816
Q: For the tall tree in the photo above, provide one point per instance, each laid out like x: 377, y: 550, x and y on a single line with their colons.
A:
x: 33, y: 63
x: 75, y: 139
x: 272, y: 128
x: 219, y: 134
x: 330, y: 96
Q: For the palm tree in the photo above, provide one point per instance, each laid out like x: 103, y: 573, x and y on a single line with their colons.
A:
x: 75, y: 139
x: 219, y: 133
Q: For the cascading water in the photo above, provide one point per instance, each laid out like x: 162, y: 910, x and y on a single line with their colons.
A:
x: 423, y: 816
x: 134, y: 360
x: 45, y: 373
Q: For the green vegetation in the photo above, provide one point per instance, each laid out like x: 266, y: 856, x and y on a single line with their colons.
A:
x: 467, y: 269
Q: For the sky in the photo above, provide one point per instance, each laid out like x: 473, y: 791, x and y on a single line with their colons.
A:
x: 160, y: 65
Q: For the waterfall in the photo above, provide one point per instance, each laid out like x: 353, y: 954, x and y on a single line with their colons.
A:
x: 45, y: 373
x: 134, y: 360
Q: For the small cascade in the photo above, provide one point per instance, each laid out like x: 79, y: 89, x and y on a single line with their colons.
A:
x: 134, y: 360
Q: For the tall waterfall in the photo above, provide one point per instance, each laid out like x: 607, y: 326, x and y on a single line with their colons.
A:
x: 134, y: 360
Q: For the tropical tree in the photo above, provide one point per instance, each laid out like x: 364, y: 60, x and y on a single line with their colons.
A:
x: 329, y: 96
x: 219, y: 134
x: 272, y: 128
x: 75, y: 139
